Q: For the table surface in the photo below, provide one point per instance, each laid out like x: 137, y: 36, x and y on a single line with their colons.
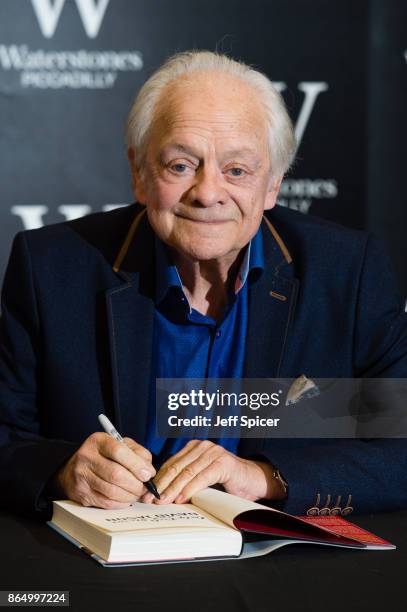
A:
x: 299, y: 577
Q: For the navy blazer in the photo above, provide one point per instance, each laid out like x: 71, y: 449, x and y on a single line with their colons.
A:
x: 76, y: 339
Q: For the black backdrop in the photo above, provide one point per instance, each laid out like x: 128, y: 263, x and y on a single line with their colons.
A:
x: 69, y: 70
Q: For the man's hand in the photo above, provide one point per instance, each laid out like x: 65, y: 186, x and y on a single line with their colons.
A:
x: 106, y: 473
x: 202, y: 463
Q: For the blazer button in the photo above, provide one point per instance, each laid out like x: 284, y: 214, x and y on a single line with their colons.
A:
x: 348, y: 509
x: 314, y: 510
x: 337, y: 510
x: 326, y: 510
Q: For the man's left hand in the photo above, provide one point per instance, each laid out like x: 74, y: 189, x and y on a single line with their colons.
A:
x: 202, y: 463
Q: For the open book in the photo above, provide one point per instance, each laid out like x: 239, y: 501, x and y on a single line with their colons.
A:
x: 216, y: 525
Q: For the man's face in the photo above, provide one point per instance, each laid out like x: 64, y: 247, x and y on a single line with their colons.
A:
x: 207, y: 176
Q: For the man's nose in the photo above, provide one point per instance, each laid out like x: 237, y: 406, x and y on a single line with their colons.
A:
x: 208, y: 188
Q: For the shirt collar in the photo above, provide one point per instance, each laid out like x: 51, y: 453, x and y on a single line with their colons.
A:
x: 253, y: 262
x: 167, y: 274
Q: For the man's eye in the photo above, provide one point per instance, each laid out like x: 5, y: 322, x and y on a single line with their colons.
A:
x: 236, y: 171
x: 179, y: 168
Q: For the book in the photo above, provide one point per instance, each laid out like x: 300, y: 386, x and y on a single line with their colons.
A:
x: 215, y: 525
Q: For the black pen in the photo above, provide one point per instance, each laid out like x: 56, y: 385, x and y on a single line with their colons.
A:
x: 112, y: 431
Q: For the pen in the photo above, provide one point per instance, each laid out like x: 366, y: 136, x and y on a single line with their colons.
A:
x: 112, y: 431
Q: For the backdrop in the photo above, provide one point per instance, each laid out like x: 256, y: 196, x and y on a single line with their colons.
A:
x: 69, y: 70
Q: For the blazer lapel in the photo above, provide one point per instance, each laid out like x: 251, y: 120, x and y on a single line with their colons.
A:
x: 271, y: 306
x: 130, y: 311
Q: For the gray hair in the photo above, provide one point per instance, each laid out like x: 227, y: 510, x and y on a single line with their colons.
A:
x: 141, y: 116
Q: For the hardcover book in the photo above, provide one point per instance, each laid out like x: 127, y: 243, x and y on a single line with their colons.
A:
x: 215, y: 525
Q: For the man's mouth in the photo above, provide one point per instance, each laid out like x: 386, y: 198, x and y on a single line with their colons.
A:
x: 206, y: 221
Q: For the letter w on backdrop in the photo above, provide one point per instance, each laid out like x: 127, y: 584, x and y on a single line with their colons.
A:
x: 91, y: 13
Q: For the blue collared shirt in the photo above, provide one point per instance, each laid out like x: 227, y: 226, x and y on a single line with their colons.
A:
x: 188, y: 344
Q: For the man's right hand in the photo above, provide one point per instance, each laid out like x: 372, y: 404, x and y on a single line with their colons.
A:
x: 106, y: 473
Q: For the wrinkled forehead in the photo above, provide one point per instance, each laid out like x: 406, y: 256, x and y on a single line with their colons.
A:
x: 213, y: 105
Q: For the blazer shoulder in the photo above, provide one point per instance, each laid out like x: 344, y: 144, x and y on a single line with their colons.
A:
x: 100, y: 233
x: 309, y: 235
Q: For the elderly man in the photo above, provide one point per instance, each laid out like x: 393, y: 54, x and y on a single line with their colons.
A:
x: 195, y: 280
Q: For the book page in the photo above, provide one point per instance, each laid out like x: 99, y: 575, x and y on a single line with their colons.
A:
x: 225, y: 506
x: 141, y: 516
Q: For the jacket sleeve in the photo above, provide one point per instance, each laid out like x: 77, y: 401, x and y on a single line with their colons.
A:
x: 372, y: 471
x: 27, y: 458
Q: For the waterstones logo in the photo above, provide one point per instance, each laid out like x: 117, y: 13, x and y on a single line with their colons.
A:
x: 78, y: 69
x: 66, y: 69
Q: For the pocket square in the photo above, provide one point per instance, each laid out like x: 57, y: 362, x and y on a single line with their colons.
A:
x: 302, y: 388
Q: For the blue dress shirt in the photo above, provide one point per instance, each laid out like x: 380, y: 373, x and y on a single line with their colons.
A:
x: 188, y: 344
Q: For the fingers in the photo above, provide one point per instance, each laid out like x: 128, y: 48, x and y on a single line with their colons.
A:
x: 134, y: 459
x: 181, y: 467
x: 138, y: 449
x: 106, y: 473
x: 198, y: 465
x: 115, y: 474
x: 112, y: 491
x: 95, y: 499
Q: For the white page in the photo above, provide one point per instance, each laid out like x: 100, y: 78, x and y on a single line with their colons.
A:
x: 224, y: 505
x: 141, y: 516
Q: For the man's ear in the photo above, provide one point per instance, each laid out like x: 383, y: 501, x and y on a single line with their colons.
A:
x: 136, y: 177
x: 274, y: 188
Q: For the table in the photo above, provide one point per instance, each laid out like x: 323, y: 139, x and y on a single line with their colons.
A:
x: 301, y: 578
